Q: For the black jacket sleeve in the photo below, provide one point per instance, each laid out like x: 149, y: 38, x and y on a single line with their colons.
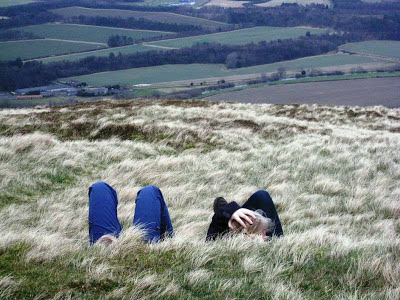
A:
x: 219, y: 222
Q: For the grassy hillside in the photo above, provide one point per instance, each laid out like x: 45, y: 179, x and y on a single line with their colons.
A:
x: 333, y: 173
x: 168, y: 73
x: 88, y: 33
x: 382, y: 48
x: 243, y: 36
x: 164, y: 17
x: 42, y: 48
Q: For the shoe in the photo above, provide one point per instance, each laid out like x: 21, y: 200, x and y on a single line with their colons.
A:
x: 218, y: 202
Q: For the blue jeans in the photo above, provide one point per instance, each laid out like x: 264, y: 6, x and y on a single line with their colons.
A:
x: 151, y: 213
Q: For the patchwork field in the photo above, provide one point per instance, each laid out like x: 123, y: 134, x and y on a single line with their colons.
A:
x: 242, y: 36
x: 42, y: 48
x: 164, y: 17
x: 333, y: 173
x: 169, y: 73
x: 361, y: 92
x: 88, y: 33
x: 382, y: 48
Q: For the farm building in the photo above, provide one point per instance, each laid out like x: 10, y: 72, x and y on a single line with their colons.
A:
x: 69, y: 91
x: 50, y: 90
x: 97, y: 90
x: 41, y: 88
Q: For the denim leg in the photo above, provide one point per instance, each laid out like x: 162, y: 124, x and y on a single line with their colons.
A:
x: 151, y: 214
x: 103, y: 219
x: 262, y: 200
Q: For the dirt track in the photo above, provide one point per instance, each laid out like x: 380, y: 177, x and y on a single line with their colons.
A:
x: 361, y: 92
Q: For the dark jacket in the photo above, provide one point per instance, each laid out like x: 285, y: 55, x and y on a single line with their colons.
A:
x: 219, y: 223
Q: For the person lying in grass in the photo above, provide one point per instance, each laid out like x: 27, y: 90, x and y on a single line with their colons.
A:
x: 151, y: 214
x: 257, y: 216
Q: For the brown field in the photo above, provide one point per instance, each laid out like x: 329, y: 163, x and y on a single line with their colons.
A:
x: 362, y: 92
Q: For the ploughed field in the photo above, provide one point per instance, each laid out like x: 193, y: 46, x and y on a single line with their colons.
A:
x: 170, y: 73
x: 360, y: 92
x: 164, y: 17
x: 333, y: 173
x: 88, y: 33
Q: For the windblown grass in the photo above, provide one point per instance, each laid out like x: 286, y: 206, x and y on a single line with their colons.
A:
x: 333, y: 172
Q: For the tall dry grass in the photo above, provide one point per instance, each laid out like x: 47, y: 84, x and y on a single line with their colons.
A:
x: 333, y: 173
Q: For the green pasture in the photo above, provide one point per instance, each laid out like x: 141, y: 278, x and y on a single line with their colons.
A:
x: 88, y: 33
x: 242, y: 36
x: 103, y: 52
x: 383, y: 48
x: 164, y: 17
x: 170, y: 73
x: 4, y: 3
x: 41, y: 48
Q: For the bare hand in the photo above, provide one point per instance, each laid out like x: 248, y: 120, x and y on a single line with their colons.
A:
x: 242, y: 215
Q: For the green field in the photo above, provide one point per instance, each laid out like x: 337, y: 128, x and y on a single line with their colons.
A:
x: 41, y: 48
x: 103, y: 52
x: 242, y: 36
x: 382, y: 48
x: 163, y: 17
x: 169, y: 73
x: 4, y: 3
x: 88, y: 33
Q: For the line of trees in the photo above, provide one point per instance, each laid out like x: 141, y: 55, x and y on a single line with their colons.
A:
x: 16, y: 74
x: 379, y: 20
x: 25, y: 19
x: 15, y: 35
x: 118, y: 40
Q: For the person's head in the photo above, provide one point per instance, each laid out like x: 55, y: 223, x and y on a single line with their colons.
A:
x: 261, y: 225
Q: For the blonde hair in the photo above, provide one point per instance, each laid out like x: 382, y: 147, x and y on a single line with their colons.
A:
x: 260, y: 224
x: 107, y: 239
